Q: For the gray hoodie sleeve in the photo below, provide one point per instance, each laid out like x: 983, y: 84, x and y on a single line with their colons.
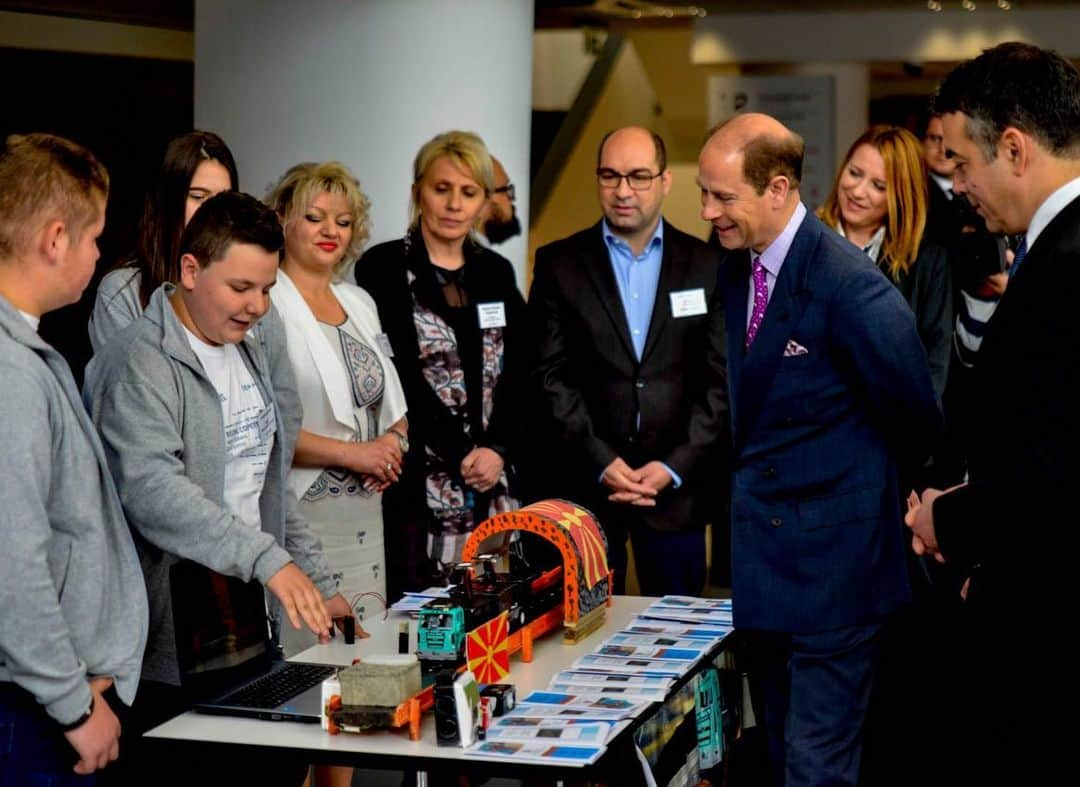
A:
x: 115, y: 307
x: 139, y: 426
x: 301, y: 543
x: 35, y: 644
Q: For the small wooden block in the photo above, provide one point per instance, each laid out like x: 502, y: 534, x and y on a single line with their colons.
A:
x: 586, y: 625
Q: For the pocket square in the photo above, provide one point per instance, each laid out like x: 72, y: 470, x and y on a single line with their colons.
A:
x: 793, y: 348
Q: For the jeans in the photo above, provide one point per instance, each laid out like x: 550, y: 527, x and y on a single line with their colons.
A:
x: 33, y: 750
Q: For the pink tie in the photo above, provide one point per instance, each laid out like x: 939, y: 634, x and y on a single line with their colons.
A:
x: 761, y: 300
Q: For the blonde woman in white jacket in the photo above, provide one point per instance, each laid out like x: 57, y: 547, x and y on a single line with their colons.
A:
x: 354, y: 432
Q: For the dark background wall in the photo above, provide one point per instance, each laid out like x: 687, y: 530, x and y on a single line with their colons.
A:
x: 123, y: 109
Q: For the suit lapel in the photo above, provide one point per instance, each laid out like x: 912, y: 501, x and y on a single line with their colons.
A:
x: 602, y: 278
x: 786, y: 306
x: 1023, y: 291
x: 736, y: 276
x: 672, y: 276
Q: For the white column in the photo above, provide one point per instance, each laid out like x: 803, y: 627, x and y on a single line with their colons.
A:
x: 366, y: 83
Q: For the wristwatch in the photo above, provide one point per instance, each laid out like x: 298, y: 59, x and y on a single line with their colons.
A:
x: 81, y: 720
x: 403, y: 440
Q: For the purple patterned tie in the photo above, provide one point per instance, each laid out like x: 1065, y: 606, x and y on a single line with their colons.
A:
x: 761, y: 300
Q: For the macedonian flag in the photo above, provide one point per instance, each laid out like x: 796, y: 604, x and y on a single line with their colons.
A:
x: 486, y: 649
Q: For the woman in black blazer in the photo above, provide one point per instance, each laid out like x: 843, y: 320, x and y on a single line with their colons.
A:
x: 879, y: 203
x: 454, y: 318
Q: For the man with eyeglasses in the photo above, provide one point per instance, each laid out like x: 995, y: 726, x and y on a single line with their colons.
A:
x: 498, y: 220
x: 624, y: 315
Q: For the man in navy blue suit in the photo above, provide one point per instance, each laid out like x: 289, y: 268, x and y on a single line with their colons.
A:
x: 830, y: 393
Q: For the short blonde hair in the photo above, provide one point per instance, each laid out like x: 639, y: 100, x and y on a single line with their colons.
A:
x: 301, y: 184
x: 45, y: 177
x: 466, y: 150
x: 905, y: 195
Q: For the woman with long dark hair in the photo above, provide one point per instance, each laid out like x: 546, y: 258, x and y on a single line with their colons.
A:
x: 197, y: 165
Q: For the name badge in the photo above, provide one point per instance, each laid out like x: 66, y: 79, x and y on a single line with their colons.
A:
x: 492, y: 315
x: 688, y: 303
x: 383, y: 341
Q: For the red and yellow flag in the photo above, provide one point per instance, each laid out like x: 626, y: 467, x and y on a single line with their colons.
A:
x: 583, y: 531
x: 486, y: 650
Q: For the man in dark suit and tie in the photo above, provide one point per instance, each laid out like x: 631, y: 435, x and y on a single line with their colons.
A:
x: 830, y: 392
x: 1012, y: 125
x: 625, y: 318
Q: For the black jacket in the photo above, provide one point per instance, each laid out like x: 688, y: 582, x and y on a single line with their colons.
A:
x: 594, y: 387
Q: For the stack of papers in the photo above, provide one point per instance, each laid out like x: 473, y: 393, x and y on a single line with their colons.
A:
x: 639, y: 688
x: 662, y: 643
x: 708, y: 631
x: 548, y: 726
x: 536, y: 751
x: 636, y: 666
x: 586, y: 705
x: 410, y: 603
x: 579, y: 708
x: 687, y: 609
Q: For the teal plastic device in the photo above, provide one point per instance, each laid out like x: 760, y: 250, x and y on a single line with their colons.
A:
x: 441, y: 630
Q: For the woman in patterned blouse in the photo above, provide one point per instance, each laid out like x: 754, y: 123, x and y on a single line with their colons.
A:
x: 456, y: 323
x: 354, y: 431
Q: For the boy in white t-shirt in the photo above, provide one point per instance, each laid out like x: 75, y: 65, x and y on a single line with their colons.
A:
x: 185, y: 405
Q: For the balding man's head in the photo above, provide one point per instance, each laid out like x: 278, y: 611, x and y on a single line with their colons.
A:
x: 632, y: 180
x: 768, y: 147
x: 635, y: 136
x: 749, y: 173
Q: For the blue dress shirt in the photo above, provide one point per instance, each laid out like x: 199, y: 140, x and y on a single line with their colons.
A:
x: 637, y: 277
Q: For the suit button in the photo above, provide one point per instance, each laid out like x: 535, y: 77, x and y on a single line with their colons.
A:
x: 770, y: 472
x: 639, y: 383
x: 631, y: 439
x: 776, y: 521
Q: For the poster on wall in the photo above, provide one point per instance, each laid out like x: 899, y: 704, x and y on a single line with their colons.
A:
x: 802, y: 103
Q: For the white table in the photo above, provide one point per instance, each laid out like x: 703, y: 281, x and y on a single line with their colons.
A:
x: 392, y: 749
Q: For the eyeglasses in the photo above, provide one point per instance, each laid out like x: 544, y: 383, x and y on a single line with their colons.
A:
x: 639, y: 179
x: 508, y: 190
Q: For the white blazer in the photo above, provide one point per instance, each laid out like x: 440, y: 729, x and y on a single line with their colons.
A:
x: 325, y: 389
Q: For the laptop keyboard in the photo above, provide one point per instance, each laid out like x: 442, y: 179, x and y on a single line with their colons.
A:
x: 279, y: 686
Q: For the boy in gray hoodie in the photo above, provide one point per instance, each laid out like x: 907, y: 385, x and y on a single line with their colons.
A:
x: 193, y: 434
x: 73, y: 611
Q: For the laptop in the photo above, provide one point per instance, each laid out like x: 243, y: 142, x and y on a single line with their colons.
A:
x: 227, y: 659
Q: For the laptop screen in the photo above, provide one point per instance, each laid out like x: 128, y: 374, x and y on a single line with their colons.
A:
x: 220, y: 622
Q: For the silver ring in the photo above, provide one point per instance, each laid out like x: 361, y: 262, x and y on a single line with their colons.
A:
x: 389, y: 466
